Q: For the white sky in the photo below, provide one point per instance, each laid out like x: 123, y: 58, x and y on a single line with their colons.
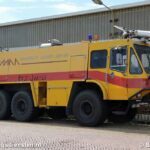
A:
x: 13, y: 10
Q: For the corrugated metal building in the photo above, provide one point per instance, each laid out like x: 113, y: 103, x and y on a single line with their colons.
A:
x: 74, y: 27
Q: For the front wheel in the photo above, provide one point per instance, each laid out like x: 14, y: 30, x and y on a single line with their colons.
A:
x: 89, y: 109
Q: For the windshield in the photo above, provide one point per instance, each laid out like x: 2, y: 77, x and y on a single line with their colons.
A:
x: 144, y: 55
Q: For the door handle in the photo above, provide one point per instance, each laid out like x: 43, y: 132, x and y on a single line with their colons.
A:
x: 112, y: 75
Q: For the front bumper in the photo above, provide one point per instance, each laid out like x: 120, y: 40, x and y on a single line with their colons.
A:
x: 143, y: 95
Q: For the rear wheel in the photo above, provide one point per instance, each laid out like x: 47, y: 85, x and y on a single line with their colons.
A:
x: 89, y: 109
x: 22, y: 106
x: 5, y: 105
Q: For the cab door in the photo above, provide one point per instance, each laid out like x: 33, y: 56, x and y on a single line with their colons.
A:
x: 136, y: 76
x: 117, y: 73
x: 98, y: 67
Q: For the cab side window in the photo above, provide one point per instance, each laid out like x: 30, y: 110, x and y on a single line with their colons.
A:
x: 118, y: 59
x: 99, y: 59
x: 135, y: 67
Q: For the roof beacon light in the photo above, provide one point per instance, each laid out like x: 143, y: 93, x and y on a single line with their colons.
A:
x: 96, y: 37
x: 90, y: 37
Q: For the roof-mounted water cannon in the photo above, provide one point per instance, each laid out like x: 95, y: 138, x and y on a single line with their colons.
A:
x: 55, y: 42
x: 138, y: 34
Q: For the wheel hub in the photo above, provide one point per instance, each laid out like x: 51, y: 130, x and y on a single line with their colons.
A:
x: 21, y: 106
x: 86, y: 108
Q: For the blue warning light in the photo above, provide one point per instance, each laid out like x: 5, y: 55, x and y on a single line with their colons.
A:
x: 90, y: 37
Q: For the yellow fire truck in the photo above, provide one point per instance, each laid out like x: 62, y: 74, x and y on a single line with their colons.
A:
x: 93, y: 81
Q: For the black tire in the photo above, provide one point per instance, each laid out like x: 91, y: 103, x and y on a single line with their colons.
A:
x: 123, y: 118
x: 22, y: 107
x: 57, y: 113
x: 5, y: 105
x: 89, y: 109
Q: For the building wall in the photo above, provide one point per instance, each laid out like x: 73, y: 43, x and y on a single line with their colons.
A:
x: 73, y: 29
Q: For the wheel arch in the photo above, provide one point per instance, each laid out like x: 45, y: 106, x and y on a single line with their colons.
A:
x: 101, y: 87
x: 12, y: 88
x: 78, y: 87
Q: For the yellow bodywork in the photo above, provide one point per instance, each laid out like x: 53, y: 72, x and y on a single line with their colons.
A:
x: 52, y: 71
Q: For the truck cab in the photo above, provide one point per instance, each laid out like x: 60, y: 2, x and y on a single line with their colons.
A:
x: 122, y: 67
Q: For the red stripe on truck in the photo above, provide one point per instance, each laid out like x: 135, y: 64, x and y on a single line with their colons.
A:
x: 120, y: 81
x: 95, y: 75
